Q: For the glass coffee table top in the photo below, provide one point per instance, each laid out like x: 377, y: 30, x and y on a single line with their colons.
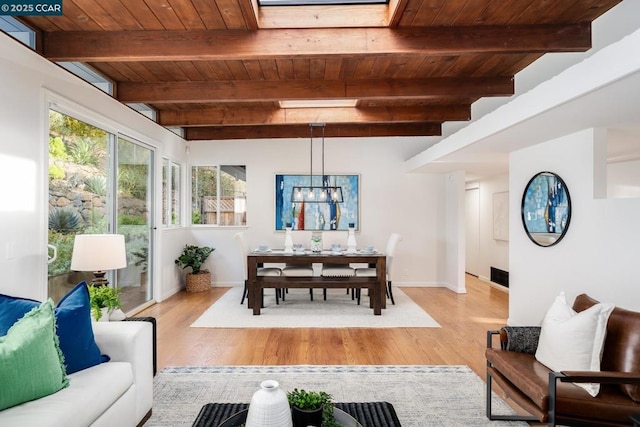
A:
x: 341, y: 417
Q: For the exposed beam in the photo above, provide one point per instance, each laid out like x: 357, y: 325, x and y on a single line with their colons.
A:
x: 118, y: 46
x: 246, y: 90
x: 395, y: 11
x: 249, y: 11
x: 302, y: 131
x: 292, y: 116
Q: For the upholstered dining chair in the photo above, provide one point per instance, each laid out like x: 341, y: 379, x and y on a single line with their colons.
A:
x: 389, y: 251
x: 262, y: 271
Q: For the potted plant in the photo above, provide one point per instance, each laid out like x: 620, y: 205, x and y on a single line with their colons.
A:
x: 103, y: 300
x: 194, y: 256
x: 141, y: 260
x: 311, y: 408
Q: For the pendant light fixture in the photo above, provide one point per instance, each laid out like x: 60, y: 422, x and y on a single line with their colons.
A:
x: 324, y: 193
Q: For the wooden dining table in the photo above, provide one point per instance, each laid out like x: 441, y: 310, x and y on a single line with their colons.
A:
x: 376, y: 285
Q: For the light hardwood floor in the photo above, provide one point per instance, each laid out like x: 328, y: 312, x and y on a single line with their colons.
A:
x: 461, y: 340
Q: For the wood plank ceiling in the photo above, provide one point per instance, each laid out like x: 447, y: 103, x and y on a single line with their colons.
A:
x: 219, y: 68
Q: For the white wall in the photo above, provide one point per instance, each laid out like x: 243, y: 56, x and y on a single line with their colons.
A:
x: 493, y: 253
x: 623, y: 179
x: 599, y: 253
x: 390, y: 201
x: 27, y: 82
x: 454, y: 225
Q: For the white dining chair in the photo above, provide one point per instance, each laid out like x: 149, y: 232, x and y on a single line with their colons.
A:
x: 392, y: 244
x: 262, y: 271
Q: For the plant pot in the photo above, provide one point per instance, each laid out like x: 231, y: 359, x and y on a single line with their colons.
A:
x: 304, y: 418
x: 199, y: 282
x: 103, y: 318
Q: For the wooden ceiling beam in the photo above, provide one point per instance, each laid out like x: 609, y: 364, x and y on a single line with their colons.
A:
x: 296, y: 116
x: 302, y: 131
x: 123, y: 46
x: 246, y: 90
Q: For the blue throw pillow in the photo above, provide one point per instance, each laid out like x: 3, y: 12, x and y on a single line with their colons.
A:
x: 73, y: 319
x: 13, y: 309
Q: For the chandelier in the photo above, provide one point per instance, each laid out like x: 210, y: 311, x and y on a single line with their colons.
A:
x: 324, y: 193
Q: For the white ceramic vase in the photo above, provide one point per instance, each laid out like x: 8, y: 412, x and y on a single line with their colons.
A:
x: 269, y: 407
x: 288, y: 240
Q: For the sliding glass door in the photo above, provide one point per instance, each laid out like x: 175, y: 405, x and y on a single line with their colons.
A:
x: 80, y: 193
x: 99, y: 183
x: 134, y: 212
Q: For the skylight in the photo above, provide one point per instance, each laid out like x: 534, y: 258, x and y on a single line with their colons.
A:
x: 18, y: 31
x: 318, y: 103
x: 317, y: 2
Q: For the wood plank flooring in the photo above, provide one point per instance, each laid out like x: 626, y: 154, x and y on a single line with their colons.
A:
x: 461, y: 340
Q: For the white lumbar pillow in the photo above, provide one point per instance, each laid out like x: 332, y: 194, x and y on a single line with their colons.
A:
x: 571, y: 341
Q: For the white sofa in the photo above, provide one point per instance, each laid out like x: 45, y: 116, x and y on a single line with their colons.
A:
x: 117, y: 393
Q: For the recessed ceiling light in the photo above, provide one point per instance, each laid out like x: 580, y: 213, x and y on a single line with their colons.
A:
x: 318, y: 103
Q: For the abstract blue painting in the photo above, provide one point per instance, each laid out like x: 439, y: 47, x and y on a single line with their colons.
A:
x: 545, y: 205
x: 317, y: 216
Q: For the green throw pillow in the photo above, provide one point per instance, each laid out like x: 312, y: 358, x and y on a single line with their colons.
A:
x: 31, y: 364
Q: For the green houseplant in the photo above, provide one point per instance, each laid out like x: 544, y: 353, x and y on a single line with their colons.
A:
x: 103, y: 297
x: 311, y: 408
x: 194, y: 256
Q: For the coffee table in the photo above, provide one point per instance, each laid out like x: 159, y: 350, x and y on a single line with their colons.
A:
x: 341, y: 417
x: 365, y: 414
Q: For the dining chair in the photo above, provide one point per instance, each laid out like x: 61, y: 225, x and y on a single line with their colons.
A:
x: 262, y: 271
x: 392, y: 244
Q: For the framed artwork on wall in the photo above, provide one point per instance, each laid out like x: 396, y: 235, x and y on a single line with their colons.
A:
x: 318, y: 215
x: 546, y: 209
x: 501, y: 216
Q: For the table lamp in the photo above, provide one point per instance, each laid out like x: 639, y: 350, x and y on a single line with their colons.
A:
x: 98, y: 253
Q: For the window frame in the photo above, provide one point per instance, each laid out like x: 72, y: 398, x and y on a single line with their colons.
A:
x: 219, y: 170
x: 168, y: 202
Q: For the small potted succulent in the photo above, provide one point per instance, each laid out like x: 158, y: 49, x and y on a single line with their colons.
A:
x: 311, y: 408
x: 199, y: 279
x: 103, y: 300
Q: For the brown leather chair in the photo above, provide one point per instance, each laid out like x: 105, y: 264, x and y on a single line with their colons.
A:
x: 550, y: 396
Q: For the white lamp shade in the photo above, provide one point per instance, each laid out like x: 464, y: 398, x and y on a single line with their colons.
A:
x: 98, y: 252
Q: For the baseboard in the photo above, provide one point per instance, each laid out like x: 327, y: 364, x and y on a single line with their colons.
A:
x: 494, y: 285
x: 418, y: 284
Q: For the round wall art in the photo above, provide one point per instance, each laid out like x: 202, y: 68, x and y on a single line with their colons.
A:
x: 546, y: 209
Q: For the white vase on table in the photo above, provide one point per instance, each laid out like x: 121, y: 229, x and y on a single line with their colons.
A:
x: 288, y: 240
x: 351, y: 239
x: 269, y: 407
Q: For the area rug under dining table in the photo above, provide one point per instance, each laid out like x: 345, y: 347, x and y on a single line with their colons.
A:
x: 298, y: 311
x: 422, y: 395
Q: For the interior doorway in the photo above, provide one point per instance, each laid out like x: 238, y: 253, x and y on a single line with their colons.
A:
x: 472, y: 233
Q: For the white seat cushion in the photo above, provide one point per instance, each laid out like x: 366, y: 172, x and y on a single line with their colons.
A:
x: 267, y: 271
x: 366, y: 272
x: 90, y: 393
x: 297, y: 271
x: 337, y: 270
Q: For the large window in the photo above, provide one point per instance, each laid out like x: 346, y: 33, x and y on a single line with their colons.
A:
x: 171, y: 213
x: 219, y: 195
x: 99, y: 183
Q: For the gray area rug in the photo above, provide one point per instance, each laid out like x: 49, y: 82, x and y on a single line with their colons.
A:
x: 422, y: 395
x: 298, y: 311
